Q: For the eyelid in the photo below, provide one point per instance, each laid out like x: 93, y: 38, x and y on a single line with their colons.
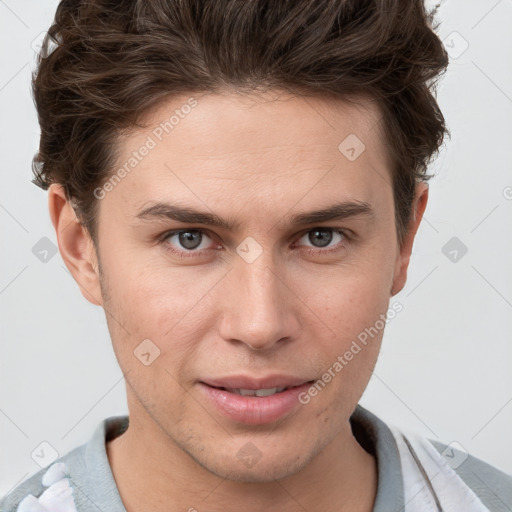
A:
x: 344, y: 233
x: 168, y: 234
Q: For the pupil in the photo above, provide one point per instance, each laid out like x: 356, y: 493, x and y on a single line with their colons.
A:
x: 321, y: 236
x: 190, y: 239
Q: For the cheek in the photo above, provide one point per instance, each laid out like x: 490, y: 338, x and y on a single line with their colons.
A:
x: 168, y: 306
x: 353, y: 306
x: 151, y: 292
x: 349, y: 298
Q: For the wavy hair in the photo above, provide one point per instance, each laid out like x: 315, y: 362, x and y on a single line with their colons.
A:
x: 104, y: 63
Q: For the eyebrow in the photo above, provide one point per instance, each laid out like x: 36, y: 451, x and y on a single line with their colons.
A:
x: 338, y: 211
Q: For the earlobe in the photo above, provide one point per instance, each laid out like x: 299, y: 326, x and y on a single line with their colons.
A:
x: 404, y: 255
x: 75, y: 245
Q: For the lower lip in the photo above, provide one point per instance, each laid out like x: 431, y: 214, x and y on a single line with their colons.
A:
x: 254, y: 410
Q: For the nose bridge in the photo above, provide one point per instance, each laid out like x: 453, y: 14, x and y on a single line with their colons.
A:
x: 257, y: 310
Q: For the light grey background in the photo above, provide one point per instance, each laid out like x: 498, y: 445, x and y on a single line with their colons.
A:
x: 445, y: 366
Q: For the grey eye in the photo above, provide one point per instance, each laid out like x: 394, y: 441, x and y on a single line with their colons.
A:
x: 320, y: 237
x: 190, y: 239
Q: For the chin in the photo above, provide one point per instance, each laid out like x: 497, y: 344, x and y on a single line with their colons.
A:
x: 259, y: 469
x: 270, y: 471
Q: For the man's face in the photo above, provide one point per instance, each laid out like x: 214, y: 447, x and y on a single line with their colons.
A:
x: 259, y: 297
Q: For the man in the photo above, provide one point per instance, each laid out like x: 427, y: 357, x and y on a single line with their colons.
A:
x: 239, y: 185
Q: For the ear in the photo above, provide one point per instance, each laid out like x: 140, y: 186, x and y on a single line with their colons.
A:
x: 404, y: 255
x: 75, y: 245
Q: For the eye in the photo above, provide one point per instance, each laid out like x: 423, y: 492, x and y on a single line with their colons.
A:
x: 194, y: 242
x: 185, y: 241
x: 324, y: 240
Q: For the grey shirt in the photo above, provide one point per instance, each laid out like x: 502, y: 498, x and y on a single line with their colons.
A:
x: 94, y: 488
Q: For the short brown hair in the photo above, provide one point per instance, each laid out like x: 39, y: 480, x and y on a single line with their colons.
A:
x: 115, y: 60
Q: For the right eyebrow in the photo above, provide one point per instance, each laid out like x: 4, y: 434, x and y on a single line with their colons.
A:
x: 182, y: 214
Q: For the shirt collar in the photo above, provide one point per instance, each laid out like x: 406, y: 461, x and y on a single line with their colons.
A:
x: 377, y: 439
x: 100, y: 488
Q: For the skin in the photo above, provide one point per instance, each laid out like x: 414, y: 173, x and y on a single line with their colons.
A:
x: 255, y: 160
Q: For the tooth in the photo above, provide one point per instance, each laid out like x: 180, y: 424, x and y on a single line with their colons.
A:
x: 265, y: 392
x: 247, y: 392
x: 256, y: 392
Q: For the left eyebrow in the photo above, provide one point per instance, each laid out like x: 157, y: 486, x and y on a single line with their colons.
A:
x: 338, y: 211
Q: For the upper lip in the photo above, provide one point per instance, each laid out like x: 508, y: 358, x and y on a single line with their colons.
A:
x: 248, y: 382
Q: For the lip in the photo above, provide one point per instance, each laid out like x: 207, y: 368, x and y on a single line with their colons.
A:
x: 248, y: 382
x: 253, y: 410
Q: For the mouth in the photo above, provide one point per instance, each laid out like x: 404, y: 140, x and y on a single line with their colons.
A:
x: 254, y: 401
x: 274, y: 382
x: 261, y: 392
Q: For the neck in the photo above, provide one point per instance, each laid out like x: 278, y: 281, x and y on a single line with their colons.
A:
x: 342, y: 477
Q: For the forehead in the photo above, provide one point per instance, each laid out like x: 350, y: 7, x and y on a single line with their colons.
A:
x: 272, y: 148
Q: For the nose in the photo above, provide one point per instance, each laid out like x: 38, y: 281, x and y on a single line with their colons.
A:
x: 257, y: 307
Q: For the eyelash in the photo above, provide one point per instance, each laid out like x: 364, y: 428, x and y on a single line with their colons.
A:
x: 310, y: 251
